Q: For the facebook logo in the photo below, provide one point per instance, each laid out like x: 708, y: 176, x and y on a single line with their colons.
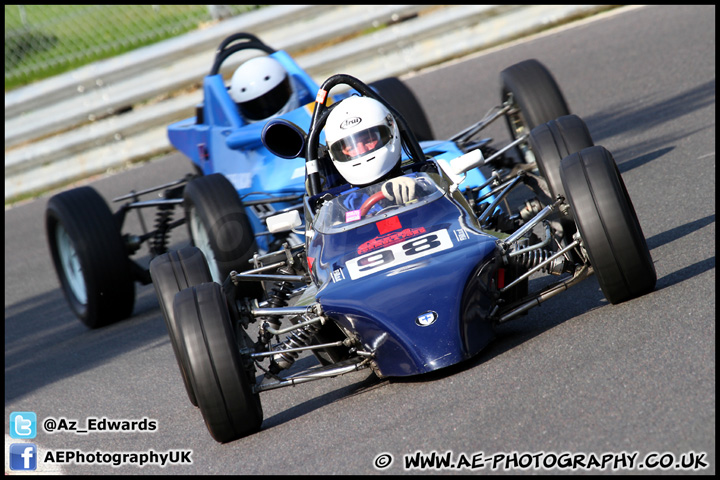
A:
x: 23, y: 425
x: 23, y: 456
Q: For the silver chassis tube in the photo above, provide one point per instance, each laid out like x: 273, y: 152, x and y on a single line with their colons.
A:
x: 134, y: 194
x: 522, y: 251
x: 309, y: 376
x: 280, y: 331
x: 271, y: 353
x: 548, y: 293
x: 539, y: 265
x: 489, y: 210
x: 242, y: 277
x: 520, y: 232
x: 486, y: 161
x: 280, y: 311
x: 155, y: 203
x: 466, y: 134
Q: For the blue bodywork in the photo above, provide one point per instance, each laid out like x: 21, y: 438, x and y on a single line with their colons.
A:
x: 223, y: 142
x: 219, y: 140
x: 411, y: 284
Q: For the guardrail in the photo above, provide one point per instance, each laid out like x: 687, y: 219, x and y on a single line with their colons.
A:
x: 112, y: 113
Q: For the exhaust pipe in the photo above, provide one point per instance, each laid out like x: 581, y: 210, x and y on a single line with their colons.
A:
x: 284, y: 139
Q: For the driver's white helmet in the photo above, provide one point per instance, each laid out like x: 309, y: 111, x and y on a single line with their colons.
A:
x: 261, y: 88
x: 363, y: 139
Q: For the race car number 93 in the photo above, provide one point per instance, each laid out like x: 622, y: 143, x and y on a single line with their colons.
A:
x: 398, y: 254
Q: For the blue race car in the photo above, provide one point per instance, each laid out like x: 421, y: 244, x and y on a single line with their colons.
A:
x: 405, y: 289
x: 236, y: 183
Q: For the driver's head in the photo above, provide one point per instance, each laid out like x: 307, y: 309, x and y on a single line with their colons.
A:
x: 363, y: 139
x: 262, y: 88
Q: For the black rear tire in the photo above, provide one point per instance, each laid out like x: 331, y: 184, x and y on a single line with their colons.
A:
x: 536, y: 99
x: 172, y: 272
x: 90, y: 257
x: 608, y: 224
x: 399, y: 95
x: 221, y: 382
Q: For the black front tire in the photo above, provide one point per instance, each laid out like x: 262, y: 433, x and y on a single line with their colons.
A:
x: 554, y: 140
x: 172, y: 272
x: 608, y: 224
x: 222, y: 385
x: 90, y: 257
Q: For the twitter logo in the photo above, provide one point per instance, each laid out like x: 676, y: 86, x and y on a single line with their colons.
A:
x: 23, y: 425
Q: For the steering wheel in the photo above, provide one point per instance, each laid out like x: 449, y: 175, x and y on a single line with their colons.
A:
x: 372, y: 200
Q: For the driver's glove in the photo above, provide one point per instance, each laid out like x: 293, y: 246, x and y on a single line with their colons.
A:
x: 400, y: 189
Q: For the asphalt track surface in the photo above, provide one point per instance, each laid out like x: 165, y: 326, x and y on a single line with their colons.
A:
x: 575, y: 376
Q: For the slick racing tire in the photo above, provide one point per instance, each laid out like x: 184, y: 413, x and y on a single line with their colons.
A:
x: 399, y: 95
x: 550, y: 143
x: 608, y: 224
x: 172, y: 272
x: 219, y: 226
x: 221, y: 379
x: 554, y: 140
x: 535, y: 97
x: 89, y: 256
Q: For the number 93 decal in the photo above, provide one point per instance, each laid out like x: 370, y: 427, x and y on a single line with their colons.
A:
x: 398, y: 254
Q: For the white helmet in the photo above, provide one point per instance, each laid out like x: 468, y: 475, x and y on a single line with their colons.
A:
x: 261, y: 88
x: 363, y: 139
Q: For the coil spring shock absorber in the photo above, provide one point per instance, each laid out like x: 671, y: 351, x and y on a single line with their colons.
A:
x: 280, y: 293
x: 530, y: 258
x: 277, y: 297
x: 295, y: 339
x: 160, y: 240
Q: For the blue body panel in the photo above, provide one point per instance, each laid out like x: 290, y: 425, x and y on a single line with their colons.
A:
x: 429, y: 278
x: 224, y: 143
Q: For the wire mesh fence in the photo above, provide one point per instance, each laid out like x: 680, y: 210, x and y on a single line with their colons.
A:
x: 45, y: 40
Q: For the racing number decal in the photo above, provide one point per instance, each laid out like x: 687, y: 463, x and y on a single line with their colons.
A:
x: 398, y: 254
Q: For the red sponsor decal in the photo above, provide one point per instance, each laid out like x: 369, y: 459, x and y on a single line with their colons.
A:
x: 388, y: 225
x: 310, y: 260
x: 390, y: 239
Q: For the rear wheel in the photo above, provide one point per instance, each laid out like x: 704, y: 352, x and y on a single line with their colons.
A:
x: 90, y: 257
x: 535, y: 98
x: 404, y: 101
x: 172, y: 272
x: 219, y: 227
x: 608, y: 224
x: 221, y: 377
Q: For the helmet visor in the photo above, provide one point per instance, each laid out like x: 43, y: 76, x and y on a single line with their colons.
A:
x: 360, y: 143
x: 268, y: 104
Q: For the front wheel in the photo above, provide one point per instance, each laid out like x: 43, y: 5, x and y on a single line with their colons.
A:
x: 172, y: 272
x: 221, y: 378
x: 608, y: 224
x: 554, y: 140
x: 90, y: 257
